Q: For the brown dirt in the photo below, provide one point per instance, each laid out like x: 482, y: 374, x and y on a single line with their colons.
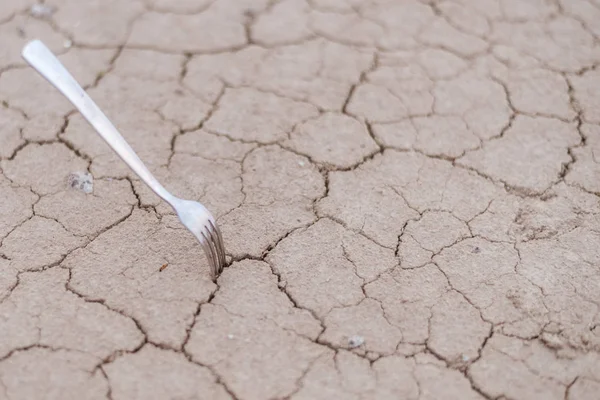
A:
x: 409, y: 193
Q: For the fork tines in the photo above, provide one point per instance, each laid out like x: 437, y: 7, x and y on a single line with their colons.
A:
x: 214, y: 249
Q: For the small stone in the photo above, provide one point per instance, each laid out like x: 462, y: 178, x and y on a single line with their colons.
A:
x: 83, y: 181
x: 552, y: 341
x: 356, y: 341
x: 67, y: 44
x: 230, y: 336
x: 301, y: 163
x: 41, y: 11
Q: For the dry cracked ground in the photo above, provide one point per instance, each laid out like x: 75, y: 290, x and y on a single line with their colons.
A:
x: 409, y: 193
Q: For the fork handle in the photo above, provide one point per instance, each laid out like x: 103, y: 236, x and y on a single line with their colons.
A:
x: 44, y: 62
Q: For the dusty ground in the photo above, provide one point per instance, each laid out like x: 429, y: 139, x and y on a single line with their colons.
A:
x: 409, y: 192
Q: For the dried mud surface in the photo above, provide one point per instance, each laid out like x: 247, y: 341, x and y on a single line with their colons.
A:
x: 409, y: 193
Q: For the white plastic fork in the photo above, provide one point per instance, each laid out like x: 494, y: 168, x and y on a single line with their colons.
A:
x: 192, y: 214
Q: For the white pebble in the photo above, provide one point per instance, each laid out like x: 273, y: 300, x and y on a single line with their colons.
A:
x: 355, y: 341
x: 83, y: 181
x: 41, y: 11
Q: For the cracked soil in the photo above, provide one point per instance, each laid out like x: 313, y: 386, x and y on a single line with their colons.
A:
x: 409, y: 192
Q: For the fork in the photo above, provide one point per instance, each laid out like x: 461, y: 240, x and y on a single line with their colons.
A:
x: 193, y: 215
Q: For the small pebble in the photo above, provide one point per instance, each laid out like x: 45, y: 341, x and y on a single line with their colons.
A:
x: 230, y: 336
x: 41, y: 11
x: 83, y: 181
x: 301, y: 163
x: 67, y: 44
x: 355, y: 341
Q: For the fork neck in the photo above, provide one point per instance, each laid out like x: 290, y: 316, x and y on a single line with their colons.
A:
x: 162, y: 192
